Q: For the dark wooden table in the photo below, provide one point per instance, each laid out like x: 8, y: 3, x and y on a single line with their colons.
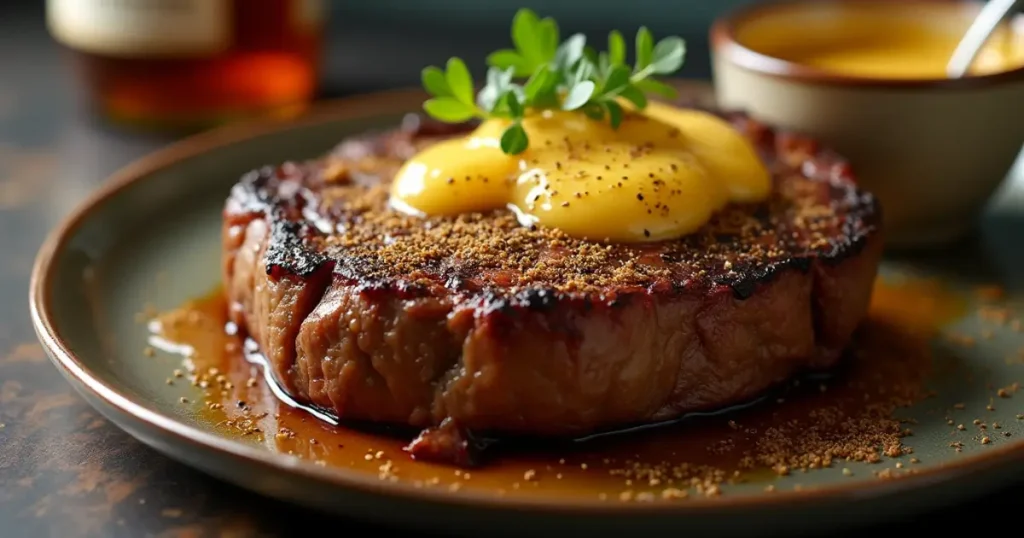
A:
x: 64, y: 470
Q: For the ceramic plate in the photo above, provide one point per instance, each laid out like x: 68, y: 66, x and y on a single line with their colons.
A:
x: 148, y: 242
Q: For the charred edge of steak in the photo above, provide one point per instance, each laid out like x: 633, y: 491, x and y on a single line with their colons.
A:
x: 290, y: 253
x: 287, y: 253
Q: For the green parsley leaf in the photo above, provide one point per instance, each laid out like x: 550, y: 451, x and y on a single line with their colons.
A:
x: 614, y: 113
x: 590, y: 54
x: 668, y: 55
x: 570, y: 52
x: 434, y: 82
x: 506, y: 58
x: 526, y: 37
x: 487, y: 99
x: 570, y: 75
x: 460, y: 81
x: 579, y: 95
x: 541, y: 81
x: 635, y: 96
x: 618, y: 78
x: 644, y: 48
x: 501, y: 78
x: 604, y: 65
x: 547, y: 34
x: 594, y: 111
x: 514, y: 140
x: 584, y: 70
x: 653, y: 86
x: 514, y: 106
x: 449, y: 109
x: 498, y: 82
x: 616, y: 48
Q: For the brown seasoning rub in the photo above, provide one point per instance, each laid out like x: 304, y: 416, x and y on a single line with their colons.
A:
x: 476, y: 250
x: 371, y: 314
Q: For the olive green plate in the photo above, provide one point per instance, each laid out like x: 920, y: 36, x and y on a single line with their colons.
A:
x: 151, y: 236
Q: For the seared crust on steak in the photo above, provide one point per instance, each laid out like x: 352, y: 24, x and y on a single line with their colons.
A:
x: 490, y: 327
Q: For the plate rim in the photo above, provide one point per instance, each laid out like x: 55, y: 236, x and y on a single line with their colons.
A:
x: 364, y: 106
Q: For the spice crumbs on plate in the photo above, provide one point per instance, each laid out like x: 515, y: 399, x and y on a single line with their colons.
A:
x: 854, y: 421
x: 1007, y: 392
x: 645, y: 496
x: 674, y: 493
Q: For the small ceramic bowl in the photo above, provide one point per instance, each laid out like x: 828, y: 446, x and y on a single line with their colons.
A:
x: 933, y: 149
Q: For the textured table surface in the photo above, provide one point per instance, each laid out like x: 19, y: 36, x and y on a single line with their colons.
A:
x: 64, y: 470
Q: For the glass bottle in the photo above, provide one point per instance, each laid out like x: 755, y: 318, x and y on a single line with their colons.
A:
x: 191, y: 64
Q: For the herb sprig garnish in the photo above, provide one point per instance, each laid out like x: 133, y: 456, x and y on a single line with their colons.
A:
x: 567, y: 75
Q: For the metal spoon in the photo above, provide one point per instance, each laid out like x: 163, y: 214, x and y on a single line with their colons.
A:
x: 977, y: 35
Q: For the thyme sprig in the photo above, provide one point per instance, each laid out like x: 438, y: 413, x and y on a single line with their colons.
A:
x: 562, y: 75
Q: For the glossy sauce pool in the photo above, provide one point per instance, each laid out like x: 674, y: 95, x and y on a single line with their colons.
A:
x: 852, y: 414
x: 877, y: 38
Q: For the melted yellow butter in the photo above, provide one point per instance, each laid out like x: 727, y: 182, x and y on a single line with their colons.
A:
x: 661, y: 175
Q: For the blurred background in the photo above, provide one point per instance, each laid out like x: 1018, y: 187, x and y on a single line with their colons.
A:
x: 70, y: 90
x: 375, y: 43
x: 361, y: 45
x: 82, y: 93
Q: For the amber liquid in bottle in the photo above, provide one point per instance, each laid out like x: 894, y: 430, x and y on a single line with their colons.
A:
x: 247, y: 58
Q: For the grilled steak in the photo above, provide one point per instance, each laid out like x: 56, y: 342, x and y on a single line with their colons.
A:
x: 479, y: 325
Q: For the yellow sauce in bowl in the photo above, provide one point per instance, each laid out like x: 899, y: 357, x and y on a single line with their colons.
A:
x: 876, y: 39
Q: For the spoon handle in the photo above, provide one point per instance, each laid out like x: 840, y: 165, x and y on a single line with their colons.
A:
x: 977, y: 35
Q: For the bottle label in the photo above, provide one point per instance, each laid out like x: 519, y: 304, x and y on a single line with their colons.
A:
x: 142, y: 27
